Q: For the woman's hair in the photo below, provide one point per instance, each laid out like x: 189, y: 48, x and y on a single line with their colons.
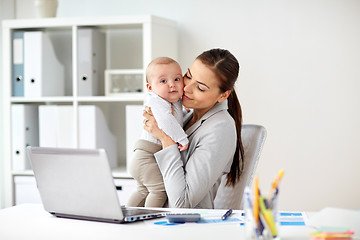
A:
x: 226, y: 67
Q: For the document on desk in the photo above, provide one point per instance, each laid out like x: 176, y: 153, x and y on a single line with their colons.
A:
x: 293, y: 219
x: 336, y: 217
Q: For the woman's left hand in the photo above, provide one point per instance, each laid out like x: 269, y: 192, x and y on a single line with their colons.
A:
x: 152, y: 127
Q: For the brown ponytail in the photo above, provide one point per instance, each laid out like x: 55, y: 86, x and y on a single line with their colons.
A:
x: 226, y: 68
x: 236, y: 168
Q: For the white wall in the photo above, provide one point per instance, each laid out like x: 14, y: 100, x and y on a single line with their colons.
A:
x: 300, y: 62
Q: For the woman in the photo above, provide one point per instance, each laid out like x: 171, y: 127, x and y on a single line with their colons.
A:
x: 192, y: 177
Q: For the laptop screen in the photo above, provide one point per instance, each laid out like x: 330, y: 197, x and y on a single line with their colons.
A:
x: 75, y: 182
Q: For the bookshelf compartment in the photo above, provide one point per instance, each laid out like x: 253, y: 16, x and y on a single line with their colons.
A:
x: 41, y: 62
x: 130, y: 43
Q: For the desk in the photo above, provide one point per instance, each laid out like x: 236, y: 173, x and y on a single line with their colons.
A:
x: 31, y: 221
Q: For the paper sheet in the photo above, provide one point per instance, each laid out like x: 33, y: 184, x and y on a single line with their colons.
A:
x: 336, y: 217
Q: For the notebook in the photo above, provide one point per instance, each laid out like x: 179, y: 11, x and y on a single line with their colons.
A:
x: 78, y: 184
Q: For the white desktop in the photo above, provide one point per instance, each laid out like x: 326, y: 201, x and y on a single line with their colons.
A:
x: 31, y: 221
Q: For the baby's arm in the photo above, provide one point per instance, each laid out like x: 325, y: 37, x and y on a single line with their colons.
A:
x: 167, y: 122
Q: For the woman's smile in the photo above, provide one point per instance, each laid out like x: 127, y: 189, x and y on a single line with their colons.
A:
x: 186, y: 97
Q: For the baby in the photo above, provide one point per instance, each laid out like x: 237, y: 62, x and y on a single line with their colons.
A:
x: 165, y: 89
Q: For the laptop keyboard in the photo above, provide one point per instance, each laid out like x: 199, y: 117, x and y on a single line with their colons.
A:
x: 135, y: 211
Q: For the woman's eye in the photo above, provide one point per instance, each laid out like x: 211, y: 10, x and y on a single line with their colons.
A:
x: 201, y: 90
x: 187, y: 76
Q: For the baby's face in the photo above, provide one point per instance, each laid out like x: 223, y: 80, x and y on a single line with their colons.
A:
x: 166, y: 81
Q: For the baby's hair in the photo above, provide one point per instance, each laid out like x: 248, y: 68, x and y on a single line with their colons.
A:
x: 159, y: 60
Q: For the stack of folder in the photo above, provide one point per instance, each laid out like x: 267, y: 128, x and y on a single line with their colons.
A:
x: 91, y: 62
x: 56, y: 129
x: 53, y: 126
x: 25, y: 132
x: 36, y: 71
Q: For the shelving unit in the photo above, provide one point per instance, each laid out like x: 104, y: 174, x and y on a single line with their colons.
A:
x: 131, y: 43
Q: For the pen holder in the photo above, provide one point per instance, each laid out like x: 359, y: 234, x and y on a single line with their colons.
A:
x: 261, y: 218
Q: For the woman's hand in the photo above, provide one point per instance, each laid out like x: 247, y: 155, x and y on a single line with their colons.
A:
x: 150, y: 124
x: 152, y: 127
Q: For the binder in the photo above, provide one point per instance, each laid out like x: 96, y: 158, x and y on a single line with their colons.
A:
x: 17, y: 79
x: 56, y: 129
x: 43, y: 73
x: 48, y: 122
x: 24, y: 132
x: 91, y: 62
x: 65, y: 127
x: 134, y: 127
x: 95, y: 133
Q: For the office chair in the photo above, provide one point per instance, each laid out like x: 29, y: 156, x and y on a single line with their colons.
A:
x: 253, y: 138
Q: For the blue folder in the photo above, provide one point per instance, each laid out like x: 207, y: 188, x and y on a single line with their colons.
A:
x: 17, y: 81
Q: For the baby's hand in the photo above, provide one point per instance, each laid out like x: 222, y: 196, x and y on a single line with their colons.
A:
x: 182, y: 148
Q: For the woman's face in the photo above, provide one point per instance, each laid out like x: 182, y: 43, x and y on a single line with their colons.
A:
x: 201, y: 90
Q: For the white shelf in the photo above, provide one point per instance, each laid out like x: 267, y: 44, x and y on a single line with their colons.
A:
x: 119, y: 172
x: 102, y: 22
x: 136, y: 41
x: 23, y: 173
x: 42, y: 99
x: 124, y: 97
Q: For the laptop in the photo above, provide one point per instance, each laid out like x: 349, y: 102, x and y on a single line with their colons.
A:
x: 78, y: 184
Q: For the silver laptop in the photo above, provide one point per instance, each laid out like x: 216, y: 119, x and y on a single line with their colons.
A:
x: 77, y: 183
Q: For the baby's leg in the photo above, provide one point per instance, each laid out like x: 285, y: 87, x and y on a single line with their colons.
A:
x: 146, y: 171
x: 155, y: 185
x: 137, y: 199
x: 156, y: 199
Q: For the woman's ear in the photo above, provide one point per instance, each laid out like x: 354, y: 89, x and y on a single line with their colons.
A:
x: 224, y: 96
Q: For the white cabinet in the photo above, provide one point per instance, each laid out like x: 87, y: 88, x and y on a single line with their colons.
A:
x: 124, y: 187
x: 82, y: 50
x: 26, y: 190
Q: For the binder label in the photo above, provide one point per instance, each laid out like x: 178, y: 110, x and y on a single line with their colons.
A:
x: 18, y: 56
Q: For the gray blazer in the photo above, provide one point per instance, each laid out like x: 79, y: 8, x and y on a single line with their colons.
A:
x: 192, y: 177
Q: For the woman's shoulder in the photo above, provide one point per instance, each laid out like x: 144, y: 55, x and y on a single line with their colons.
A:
x: 222, y: 118
x: 216, y: 134
x: 219, y: 124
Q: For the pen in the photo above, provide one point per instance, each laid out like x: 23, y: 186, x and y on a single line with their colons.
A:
x: 227, y: 214
x: 247, y: 197
x: 268, y: 217
x: 256, y: 201
x: 276, y: 182
x: 273, y: 198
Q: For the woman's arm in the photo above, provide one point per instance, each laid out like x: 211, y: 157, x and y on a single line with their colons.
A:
x: 190, y: 177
